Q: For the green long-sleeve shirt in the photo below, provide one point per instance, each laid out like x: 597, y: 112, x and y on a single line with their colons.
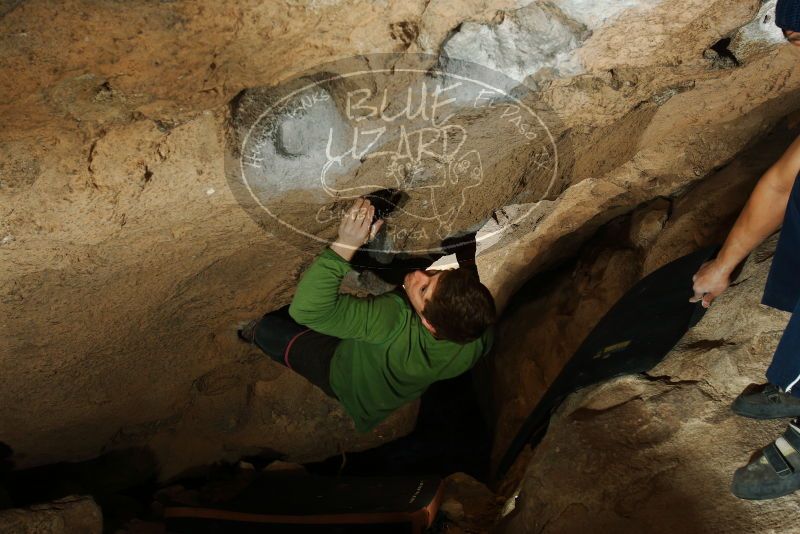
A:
x: 386, y: 357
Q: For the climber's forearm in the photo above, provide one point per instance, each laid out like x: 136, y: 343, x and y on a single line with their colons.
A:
x: 761, y: 217
x: 765, y: 209
x: 345, y: 251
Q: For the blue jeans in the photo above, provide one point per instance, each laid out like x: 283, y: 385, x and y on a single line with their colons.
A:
x: 783, y: 292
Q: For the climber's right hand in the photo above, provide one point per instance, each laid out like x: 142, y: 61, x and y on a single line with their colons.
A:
x: 710, y: 281
x: 356, y: 228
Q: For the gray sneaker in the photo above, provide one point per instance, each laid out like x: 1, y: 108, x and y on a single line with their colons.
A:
x: 766, y: 401
x: 773, y: 473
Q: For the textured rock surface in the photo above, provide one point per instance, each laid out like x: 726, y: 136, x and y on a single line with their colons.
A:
x: 468, y: 505
x: 126, y: 263
x: 71, y: 515
x: 656, y: 452
x: 555, y: 312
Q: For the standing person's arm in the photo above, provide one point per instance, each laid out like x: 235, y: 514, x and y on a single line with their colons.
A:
x: 761, y: 216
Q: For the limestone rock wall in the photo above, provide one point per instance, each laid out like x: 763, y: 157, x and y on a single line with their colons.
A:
x: 64, y: 516
x: 627, y: 455
x: 554, y: 312
x: 126, y: 262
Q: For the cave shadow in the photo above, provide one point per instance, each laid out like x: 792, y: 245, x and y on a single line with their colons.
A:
x: 121, y: 482
x: 394, y: 271
x: 450, y: 436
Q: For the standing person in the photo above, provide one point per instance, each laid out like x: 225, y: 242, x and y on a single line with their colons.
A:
x: 375, y: 354
x: 774, y: 201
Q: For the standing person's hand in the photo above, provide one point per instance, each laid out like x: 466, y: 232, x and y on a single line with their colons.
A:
x: 710, y: 281
x: 356, y: 228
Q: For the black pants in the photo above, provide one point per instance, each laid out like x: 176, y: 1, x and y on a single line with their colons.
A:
x: 301, y: 349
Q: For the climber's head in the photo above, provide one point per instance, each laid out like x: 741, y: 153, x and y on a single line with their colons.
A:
x: 787, y: 18
x: 453, y: 304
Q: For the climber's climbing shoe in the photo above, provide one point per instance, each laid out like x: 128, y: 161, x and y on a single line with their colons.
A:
x: 766, y: 401
x: 248, y: 332
x: 774, y: 472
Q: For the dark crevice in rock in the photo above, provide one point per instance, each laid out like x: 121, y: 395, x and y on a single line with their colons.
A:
x: 707, y: 344
x: 236, y: 102
x: 162, y: 126
x: 668, y: 380
x: 91, y: 156
x: 764, y: 257
x: 721, y: 56
x: 721, y: 48
x: 661, y: 97
x: 583, y: 414
x: 737, y: 282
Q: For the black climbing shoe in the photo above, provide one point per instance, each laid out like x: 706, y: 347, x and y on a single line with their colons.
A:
x: 766, y: 401
x: 775, y: 472
x: 248, y: 332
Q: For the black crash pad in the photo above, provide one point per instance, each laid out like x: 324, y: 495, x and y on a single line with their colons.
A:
x: 635, y: 334
x: 278, y: 502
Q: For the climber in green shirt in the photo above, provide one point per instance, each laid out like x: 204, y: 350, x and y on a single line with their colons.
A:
x: 377, y: 353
